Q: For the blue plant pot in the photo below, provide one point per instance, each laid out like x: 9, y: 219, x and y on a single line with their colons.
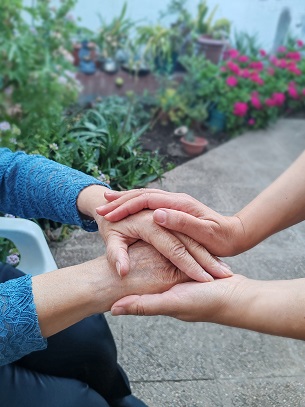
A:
x: 217, y: 120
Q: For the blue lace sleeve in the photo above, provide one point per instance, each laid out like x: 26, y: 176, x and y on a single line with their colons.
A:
x: 19, y: 329
x: 31, y: 186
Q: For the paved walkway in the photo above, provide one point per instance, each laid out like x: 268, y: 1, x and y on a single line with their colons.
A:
x: 176, y: 364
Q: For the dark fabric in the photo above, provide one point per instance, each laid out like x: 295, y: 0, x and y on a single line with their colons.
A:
x: 78, y: 367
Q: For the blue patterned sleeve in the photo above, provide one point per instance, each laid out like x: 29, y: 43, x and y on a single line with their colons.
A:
x: 19, y: 328
x: 31, y: 186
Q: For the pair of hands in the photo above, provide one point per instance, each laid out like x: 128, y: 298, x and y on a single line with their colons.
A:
x: 179, y: 236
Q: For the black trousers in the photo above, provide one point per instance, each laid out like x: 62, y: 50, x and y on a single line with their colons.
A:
x: 78, y: 369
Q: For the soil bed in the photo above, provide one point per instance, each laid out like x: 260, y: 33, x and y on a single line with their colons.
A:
x: 162, y: 139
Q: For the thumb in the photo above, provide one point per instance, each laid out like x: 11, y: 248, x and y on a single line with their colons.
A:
x: 147, y: 305
x: 117, y: 252
x: 181, y: 222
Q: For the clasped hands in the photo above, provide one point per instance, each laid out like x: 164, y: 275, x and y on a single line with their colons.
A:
x: 187, y: 233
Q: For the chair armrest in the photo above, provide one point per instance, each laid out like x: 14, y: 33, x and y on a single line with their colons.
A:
x: 36, y: 257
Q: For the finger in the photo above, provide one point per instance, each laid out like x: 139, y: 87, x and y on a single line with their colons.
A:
x: 117, y: 252
x: 211, y: 264
x: 202, y: 231
x: 117, y: 198
x: 174, y: 250
x: 148, y: 304
x: 122, y: 208
x: 111, y: 195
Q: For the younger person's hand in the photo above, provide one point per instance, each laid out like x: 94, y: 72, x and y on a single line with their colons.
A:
x: 220, y: 235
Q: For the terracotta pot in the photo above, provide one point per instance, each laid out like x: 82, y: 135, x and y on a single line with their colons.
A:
x: 195, y: 147
x: 211, y: 48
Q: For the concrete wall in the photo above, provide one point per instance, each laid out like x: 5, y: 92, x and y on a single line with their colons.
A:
x: 252, y: 16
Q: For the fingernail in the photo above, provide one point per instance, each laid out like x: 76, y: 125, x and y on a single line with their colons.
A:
x: 224, y: 264
x: 118, y: 268
x: 208, y: 276
x: 160, y: 216
x: 118, y: 311
x: 225, y: 269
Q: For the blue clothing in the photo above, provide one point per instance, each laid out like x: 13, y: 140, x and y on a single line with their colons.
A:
x: 32, y: 186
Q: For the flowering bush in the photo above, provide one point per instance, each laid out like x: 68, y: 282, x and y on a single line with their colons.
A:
x: 254, y: 92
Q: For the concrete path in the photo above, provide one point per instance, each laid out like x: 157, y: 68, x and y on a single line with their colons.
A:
x: 175, y: 364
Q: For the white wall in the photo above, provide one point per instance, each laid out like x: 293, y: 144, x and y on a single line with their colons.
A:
x: 252, y: 16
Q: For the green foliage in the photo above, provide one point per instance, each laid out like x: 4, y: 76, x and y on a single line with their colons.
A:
x: 204, y: 22
x: 246, y: 44
x: 104, y: 142
x: 114, y: 35
x: 187, y: 102
x: 35, y: 65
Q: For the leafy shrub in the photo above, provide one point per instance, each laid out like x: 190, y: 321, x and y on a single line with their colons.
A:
x: 104, y: 142
x: 36, y: 70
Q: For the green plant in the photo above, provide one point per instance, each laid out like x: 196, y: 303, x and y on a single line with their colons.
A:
x: 114, y: 35
x: 160, y: 45
x: 204, y: 23
x: 37, y: 81
x: 246, y: 44
x: 8, y: 252
x: 104, y: 142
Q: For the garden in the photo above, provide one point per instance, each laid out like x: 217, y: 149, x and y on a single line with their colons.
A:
x: 208, y: 83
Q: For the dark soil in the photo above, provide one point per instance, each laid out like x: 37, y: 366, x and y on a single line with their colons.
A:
x: 162, y: 139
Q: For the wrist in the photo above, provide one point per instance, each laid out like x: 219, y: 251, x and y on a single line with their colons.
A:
x: 271, y: 307
x: 89, y: 199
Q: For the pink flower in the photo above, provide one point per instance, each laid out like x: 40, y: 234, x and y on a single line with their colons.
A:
x: 273, y: 60
x: 256, y: 65
x: 270, y: 102
x: 303, y: 92
x: 292, y: 90
x: 231, y: 81
x: 254, y: 77
x: 300, y: 43
x: 262, y: 53
x: 255, y: 100
x: 278, y: 98
x: 233, y: 53
x: 244, y: 73
x: 223, y: 69
x: 296, y: 56
x: 240, y: 109
x: 243, y: 58
x: 251, y: 122
x: 281, y: 63
x: 281, y: 50
x: 270, y: 71
x: 233, y: 67
x: 294, y: 69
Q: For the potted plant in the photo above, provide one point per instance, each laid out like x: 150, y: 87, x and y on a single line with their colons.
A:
x: 159, y: 46
x: 192, y: 144
x: 212, y: 39
x: 111, y: 39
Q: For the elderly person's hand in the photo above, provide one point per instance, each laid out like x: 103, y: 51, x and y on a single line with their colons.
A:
x: 64, y: 297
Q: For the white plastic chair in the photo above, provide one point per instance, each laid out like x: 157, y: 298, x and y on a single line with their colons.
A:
x: 36, y: 257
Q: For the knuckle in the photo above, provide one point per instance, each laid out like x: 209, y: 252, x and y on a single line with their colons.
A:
x: 181, y: 221
x: 178, y: 250
x: 140, y: 309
